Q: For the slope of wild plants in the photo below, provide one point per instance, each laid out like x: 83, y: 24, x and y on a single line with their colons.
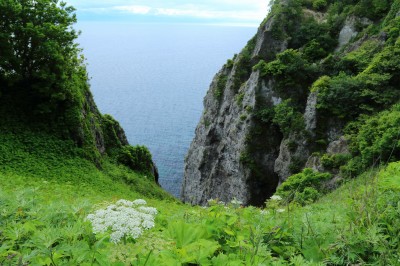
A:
x: 45, y: 219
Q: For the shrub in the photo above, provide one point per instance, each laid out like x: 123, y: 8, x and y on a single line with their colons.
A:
x: 304, y: 187
x: 292, y: 74
x: 319, y: 4
x: 377, y: 138
x: 287, y: 118
x: 239, y: 99
x: 244, y: 65
x: 221, y: 84
x: 334, y: 161
x: 137, y: 158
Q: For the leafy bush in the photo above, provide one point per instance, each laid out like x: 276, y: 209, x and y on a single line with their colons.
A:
x: 358, y: 60
x: 114, y: 136
x: 315, y: 37
x: 319, y: 4
x: 377, y: 138
x: 372, y: 9
x: 221, y: 84
x: 292, y: 75
x: 334, y: 161
x: 287, y: 118
x: 304, y: 187
x: 367, y: 92
x: 137, y: 158
x: 243, y: 65
x: 239, y: 99
x: 285, y: 18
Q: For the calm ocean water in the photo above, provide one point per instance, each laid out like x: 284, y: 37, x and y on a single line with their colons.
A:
x: 152, y: 79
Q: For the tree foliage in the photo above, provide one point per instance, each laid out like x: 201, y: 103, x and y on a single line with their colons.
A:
x: 304, y: 187
x: 38, y: 51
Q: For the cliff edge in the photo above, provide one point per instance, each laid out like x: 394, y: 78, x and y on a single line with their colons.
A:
x: 271, y: 110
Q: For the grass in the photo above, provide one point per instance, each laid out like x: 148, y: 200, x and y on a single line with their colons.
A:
x: 48, y: 189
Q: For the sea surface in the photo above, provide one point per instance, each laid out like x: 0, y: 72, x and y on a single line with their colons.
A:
x: 152, y: 78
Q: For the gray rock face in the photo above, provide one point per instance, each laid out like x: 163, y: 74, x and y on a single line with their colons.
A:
x: 346, y: 33
x: 338, y: 146
x: 212, y: 166
x: 349, y: 30
x: 310, y: 114
x: 218, y: 164
x: 266, y: 46
x: 295, y: 150
x: 238, y: 154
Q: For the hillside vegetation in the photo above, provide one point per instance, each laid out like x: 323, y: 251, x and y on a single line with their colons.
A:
x: 73, y: 192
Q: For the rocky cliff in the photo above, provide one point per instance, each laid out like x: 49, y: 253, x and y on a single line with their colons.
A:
x: 265, y: 115
x: 215, y: 165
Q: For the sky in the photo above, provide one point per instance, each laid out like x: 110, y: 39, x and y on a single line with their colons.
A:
x: 224, y: 12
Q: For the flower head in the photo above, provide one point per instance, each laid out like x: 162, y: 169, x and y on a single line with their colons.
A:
x: 123, y: 219
x: 276, y: 197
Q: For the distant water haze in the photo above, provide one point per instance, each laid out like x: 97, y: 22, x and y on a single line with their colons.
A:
x: 152, y: 78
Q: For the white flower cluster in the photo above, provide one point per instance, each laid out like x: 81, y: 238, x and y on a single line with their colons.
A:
x: 215, y: 202
x: 234, y: 201
x: 276, y: 197
x: 123, y: 219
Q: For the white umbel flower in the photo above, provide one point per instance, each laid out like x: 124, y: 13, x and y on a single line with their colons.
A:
x: 124, y: 219
x: 276, y: 197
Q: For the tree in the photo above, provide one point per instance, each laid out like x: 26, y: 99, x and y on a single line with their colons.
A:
x: 38, y: 54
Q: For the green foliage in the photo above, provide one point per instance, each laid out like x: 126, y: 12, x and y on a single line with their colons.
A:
x: 43, y: 223
x: 292, y: 75
x: 239, y: 99
x: 376, y: 139
x: 343, y: 89
x: 37, y: 155
x: 229, y: 63
x: 372, y: 9
x: 285, y: 17
x: 303, y: 188
x: 114, y: 136
x: 244, y: 65
x: 358, y: 60
x: 39, y: 57
x: 287, y: 118
x: 316, y: 38
x: 137, y: 158
x: 334, y: 161
x: 221, y: 84
x: 266, y: 115
x: 366, y: 92
x: 319, y: 4
x: 389, y: 179
x: 296, y: 164
x: 44, y: 77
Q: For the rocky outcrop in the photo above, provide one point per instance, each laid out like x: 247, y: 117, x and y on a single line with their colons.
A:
x: 219, y: 163
x: 266, y: 45
x: 239, y: 151
x: 212, y: 166
x: 295, y: 150
x: 350, y: 31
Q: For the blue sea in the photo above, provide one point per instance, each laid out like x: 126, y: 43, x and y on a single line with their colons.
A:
x: 152, y: 78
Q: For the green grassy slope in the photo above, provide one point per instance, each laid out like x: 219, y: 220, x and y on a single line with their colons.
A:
x: 47, y: 190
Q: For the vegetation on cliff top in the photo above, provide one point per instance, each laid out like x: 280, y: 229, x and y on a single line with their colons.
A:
x: 45, y: 84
